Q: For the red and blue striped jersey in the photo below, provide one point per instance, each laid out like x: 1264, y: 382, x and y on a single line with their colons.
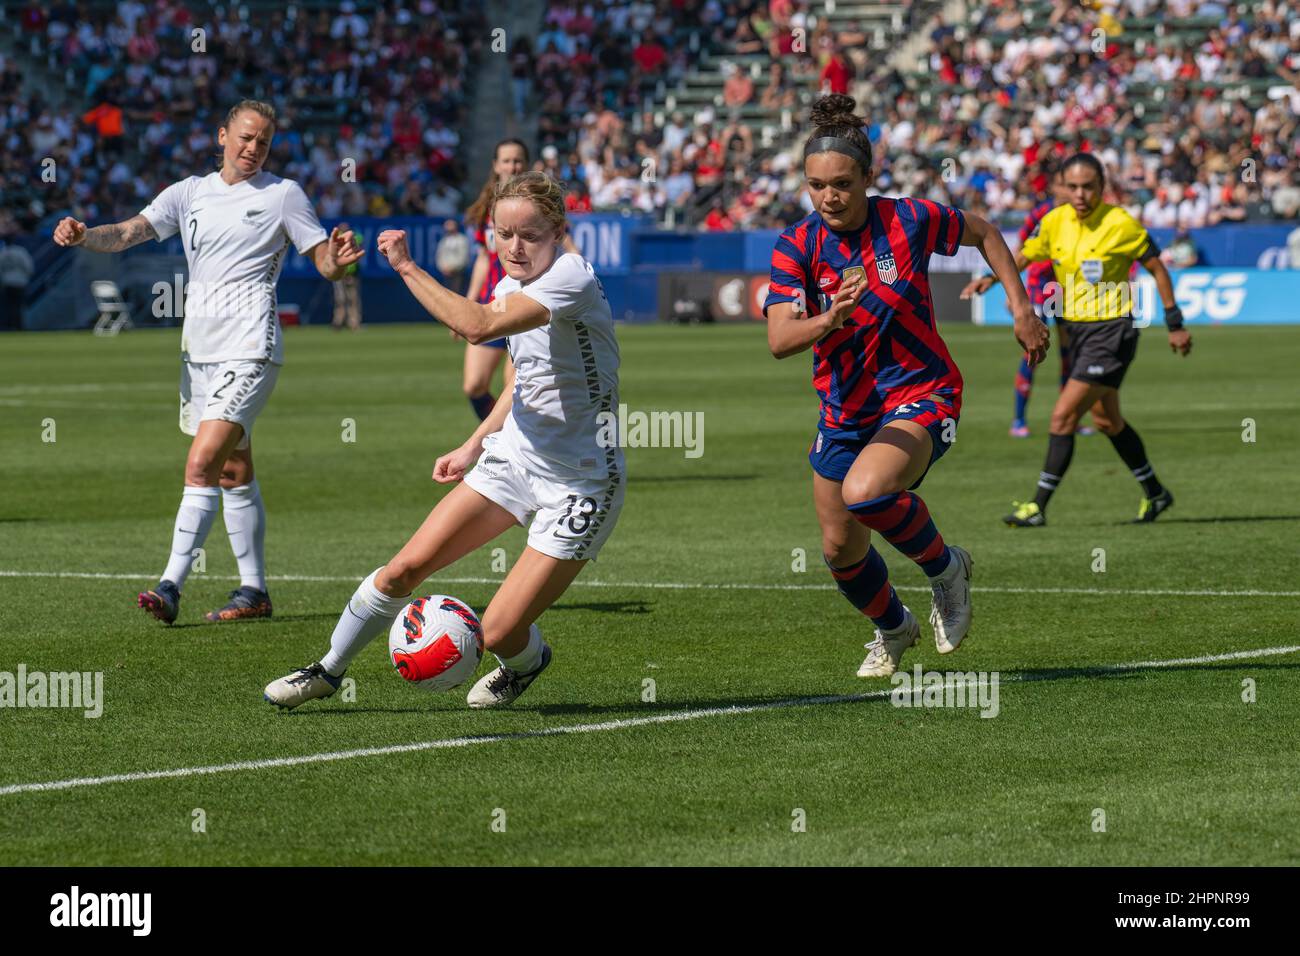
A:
x: 1039, y: 274
x: 888, y: 353
x: 485, y: 236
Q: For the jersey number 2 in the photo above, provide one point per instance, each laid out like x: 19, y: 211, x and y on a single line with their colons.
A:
x: 230, y: 378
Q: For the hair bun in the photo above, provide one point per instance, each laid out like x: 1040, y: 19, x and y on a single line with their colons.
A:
x: 835, y: 109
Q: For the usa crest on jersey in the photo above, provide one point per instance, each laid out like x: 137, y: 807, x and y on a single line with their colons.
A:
x: 886, y: 269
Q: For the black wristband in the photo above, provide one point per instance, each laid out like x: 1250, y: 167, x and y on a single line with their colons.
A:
x: 1174, y: 319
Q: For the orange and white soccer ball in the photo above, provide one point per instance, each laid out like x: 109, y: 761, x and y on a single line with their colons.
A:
x: 436, y: 643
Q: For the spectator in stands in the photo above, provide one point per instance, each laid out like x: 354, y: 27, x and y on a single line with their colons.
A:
x: 717, y: 219
x: 779, y: 93
x: 16, y: 267
x: 837, y: 74
x: 1286, y: 199
x: 1160, y: 212
x: 650, y: 59
x: 1182, y: 252
x: 1194, y: 209
x: 347, y: 291
x: 738, y: 89
x: 746, y: 41
x: 452, y: 257
x: 106, y: 118
x: 521, y: 74
x: 577, y: 199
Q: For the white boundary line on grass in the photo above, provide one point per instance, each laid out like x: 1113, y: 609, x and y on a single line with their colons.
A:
x: 675, y: 585
x: 668, y: 718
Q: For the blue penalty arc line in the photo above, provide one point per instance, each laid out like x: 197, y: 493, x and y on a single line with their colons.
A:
x: 665, y: 718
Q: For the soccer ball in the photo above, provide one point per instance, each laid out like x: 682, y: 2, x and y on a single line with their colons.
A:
x: 436, y: 642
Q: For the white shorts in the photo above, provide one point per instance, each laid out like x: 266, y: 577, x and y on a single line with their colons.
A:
x: 566, y: 518
x: 225, y: 391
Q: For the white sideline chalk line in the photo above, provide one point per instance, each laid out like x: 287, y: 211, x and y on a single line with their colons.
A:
x: 671, y: 585
x: 671, y: 717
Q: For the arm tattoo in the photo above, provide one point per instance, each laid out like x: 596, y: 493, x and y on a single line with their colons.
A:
x: 119, y: 235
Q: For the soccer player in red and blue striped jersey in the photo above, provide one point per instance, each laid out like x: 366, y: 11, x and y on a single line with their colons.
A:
x: 509, y: 158
x: 851, y: 281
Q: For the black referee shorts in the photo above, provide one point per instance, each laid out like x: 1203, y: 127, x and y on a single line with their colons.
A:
x: 1101, y: 352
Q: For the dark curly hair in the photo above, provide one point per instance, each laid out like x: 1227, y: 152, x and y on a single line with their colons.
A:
x: 833, y: 115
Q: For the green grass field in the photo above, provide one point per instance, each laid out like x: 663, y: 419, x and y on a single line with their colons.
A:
x: 697, y: 591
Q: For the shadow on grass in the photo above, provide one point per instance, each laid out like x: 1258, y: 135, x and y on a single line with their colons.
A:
x: 876, y: 690
x: 615, y: 607
x: 1225, y: 518
x: 260, y: 621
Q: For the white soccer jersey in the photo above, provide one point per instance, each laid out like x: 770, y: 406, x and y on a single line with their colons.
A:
x: 235, y: 238
x: 566, y: 374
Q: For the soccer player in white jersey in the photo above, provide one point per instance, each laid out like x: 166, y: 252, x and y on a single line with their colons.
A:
x: 547, y: 455
x: 236, y: 226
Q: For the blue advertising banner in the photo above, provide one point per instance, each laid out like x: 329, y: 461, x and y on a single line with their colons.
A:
x: 604, y: 240
x: 1206, y: 296
x: 1246, y: 247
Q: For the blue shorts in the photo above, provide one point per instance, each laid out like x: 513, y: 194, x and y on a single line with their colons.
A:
x: 495, y: 344
x: 833, y: 457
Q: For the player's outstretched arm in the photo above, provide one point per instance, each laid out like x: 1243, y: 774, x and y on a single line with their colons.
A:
x: 791, y: 330
x: 477, y: 323
x: 1180, y: 340
x: 1031, y: 333
x: 113, y: 237
x: 453, y: 465
x: 333, y: 256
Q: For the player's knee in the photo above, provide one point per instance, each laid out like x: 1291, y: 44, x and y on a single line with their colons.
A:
x: 859, y: 488
x: 202, y: 470
x: 235, y: 474
x: 476, y: 385
x: 1064, y: 422
x: 1108, y: 425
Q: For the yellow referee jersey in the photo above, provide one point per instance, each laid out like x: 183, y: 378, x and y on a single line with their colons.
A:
x: 1091, y: 258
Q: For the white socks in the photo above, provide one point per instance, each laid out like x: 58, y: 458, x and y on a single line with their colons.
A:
x: 530, y: 658
x: 245, y: 517
x: 193, y: 521
x: 369, y: 613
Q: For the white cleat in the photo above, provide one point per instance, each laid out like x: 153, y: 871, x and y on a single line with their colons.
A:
x: 304, y: 684
x: 950, y: 609
x: 884, y: 653
x: 503, y: 686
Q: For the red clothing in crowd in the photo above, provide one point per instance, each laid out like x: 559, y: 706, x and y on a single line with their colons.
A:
x: 106, y: 119
x: 650, y: 57
x: 837, y: 73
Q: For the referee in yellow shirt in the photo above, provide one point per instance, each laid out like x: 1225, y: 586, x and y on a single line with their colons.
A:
x: 1092, y: 246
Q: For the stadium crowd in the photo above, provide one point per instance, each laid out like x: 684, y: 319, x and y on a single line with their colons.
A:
x: 149, y: 97
x: 1007, y: 94
x: 1005, y: 91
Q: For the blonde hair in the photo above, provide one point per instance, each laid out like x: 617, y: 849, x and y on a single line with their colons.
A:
x: 257, y: 106
x: 541, y: 190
